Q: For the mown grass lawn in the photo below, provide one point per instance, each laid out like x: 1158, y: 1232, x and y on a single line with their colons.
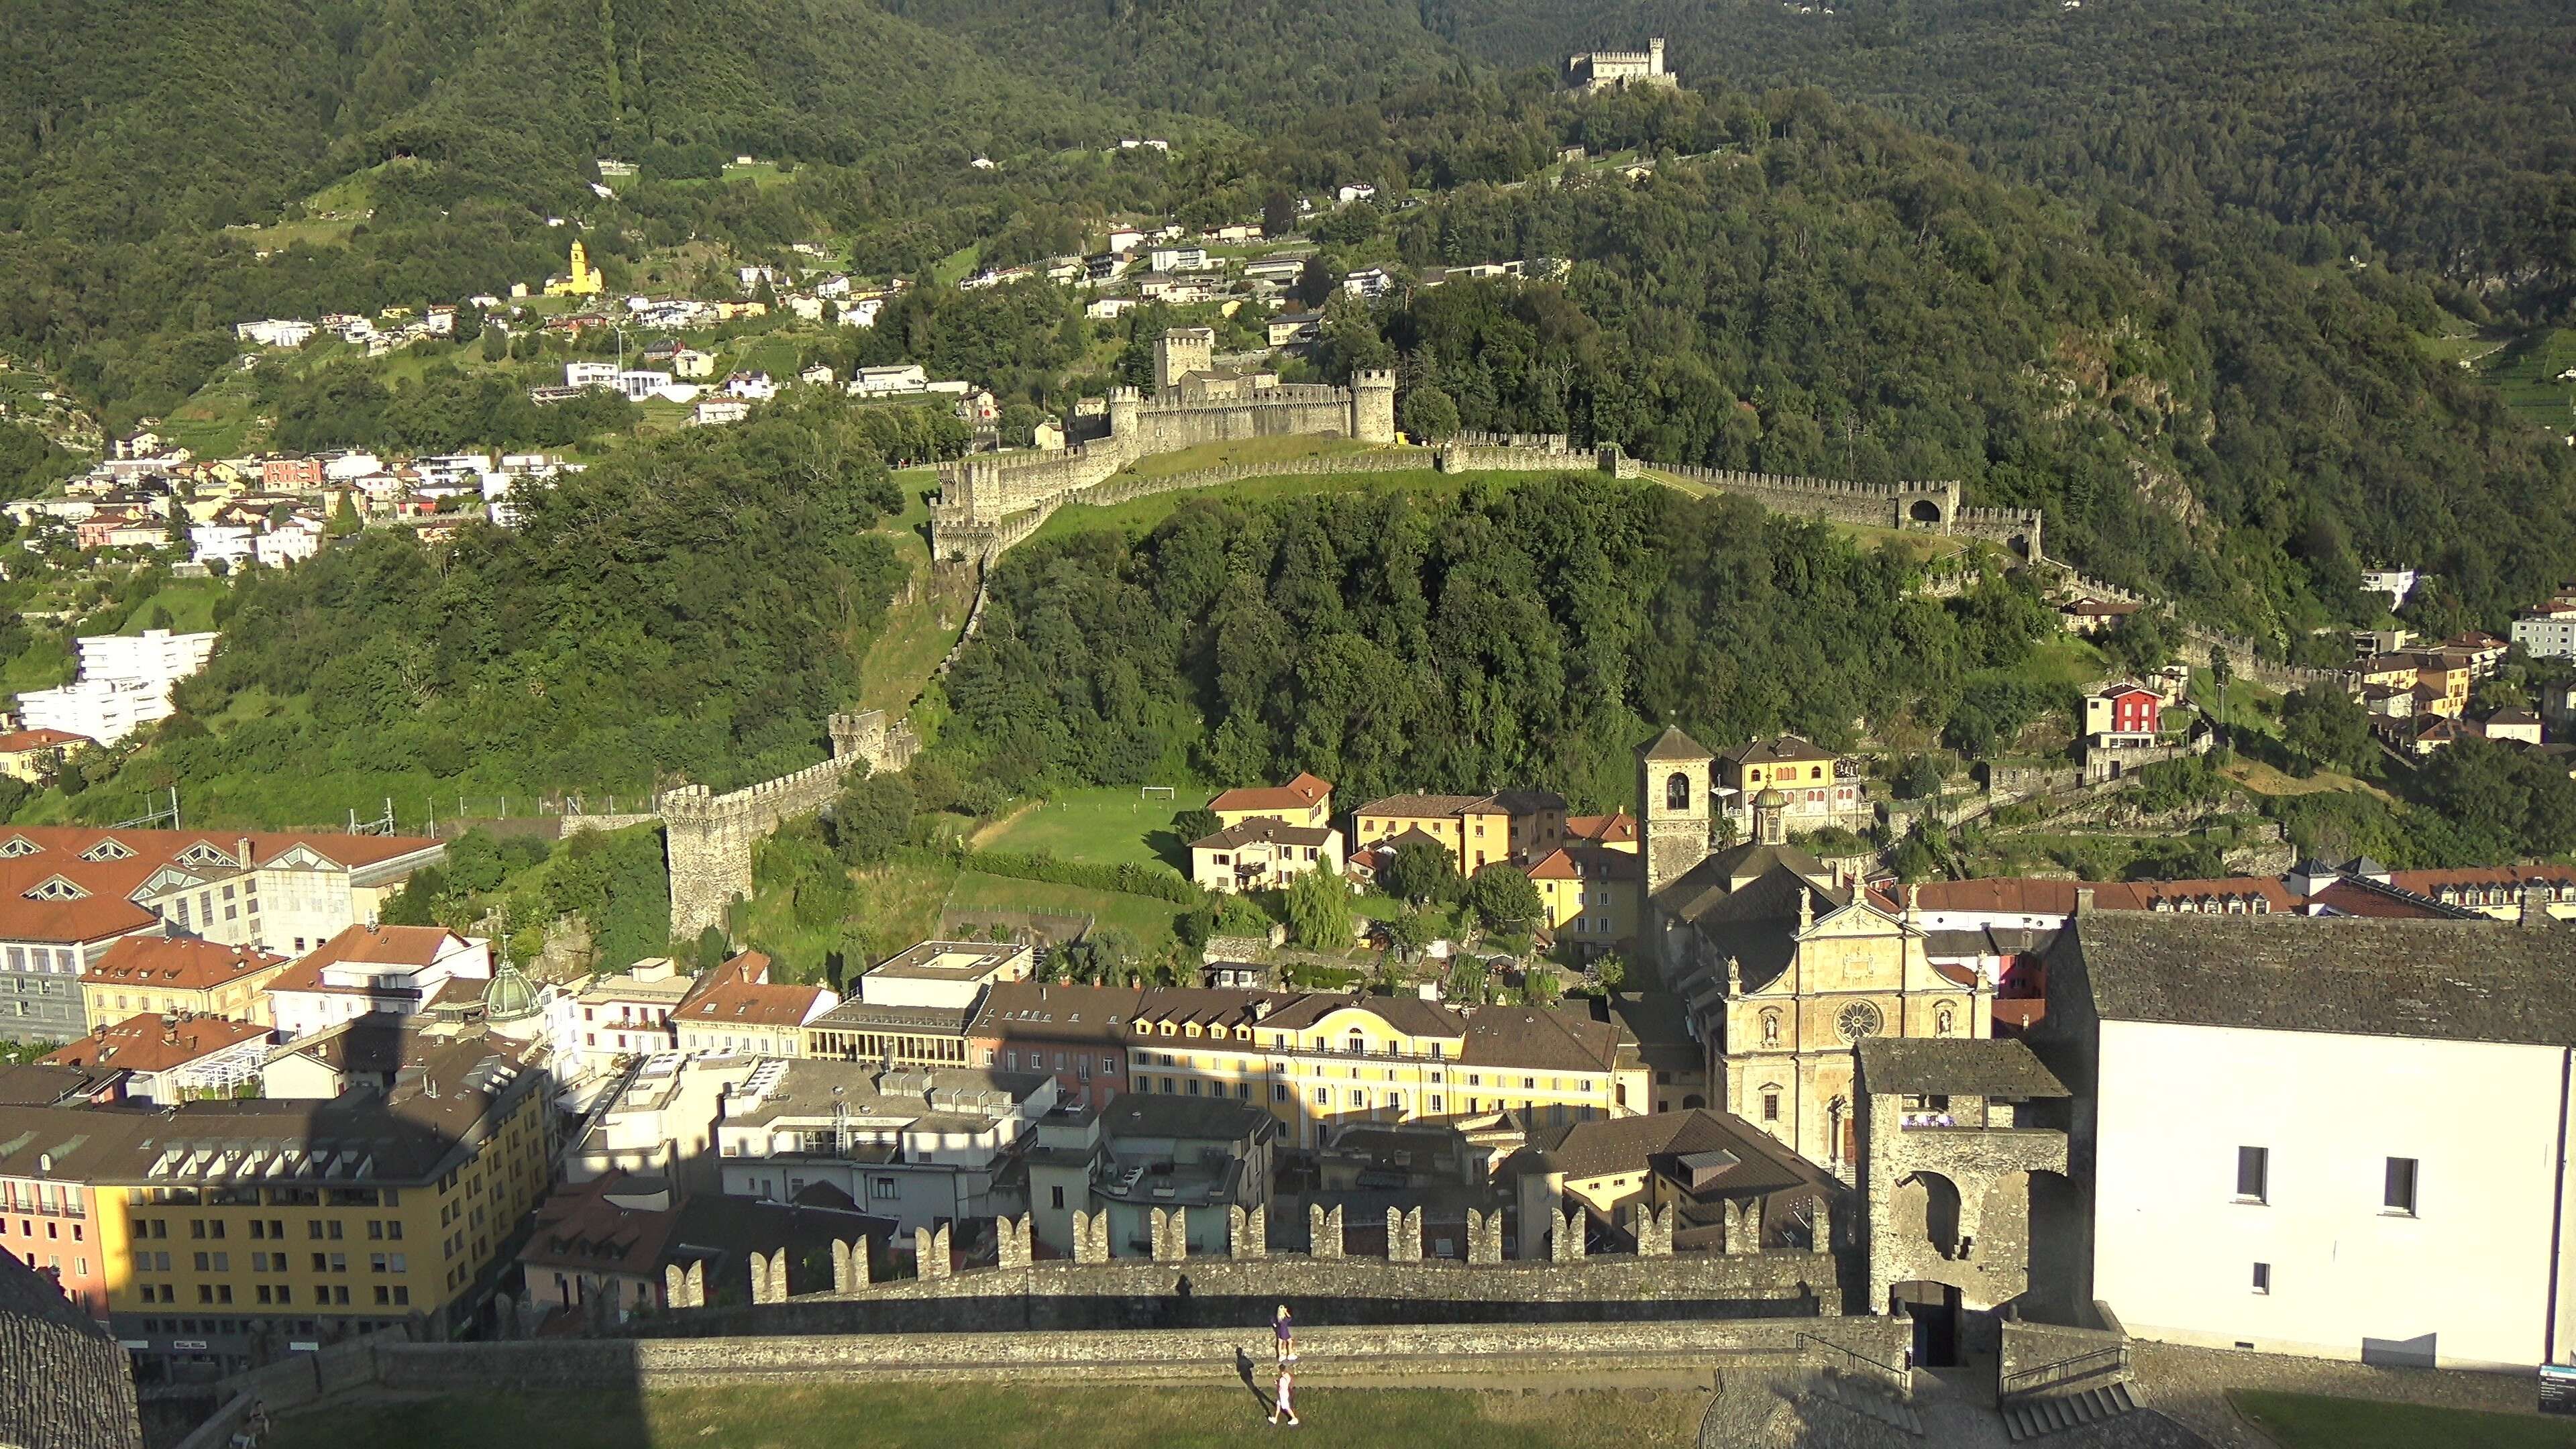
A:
x: 985, y: 1416
x: 2315, y: 1421
x: 1105, y: 825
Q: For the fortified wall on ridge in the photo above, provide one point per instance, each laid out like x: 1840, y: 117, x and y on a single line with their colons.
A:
x: 1194, y: 402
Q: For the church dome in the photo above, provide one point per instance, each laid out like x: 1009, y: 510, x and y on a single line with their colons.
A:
x: 510, y: 997
x: 1771, y: 799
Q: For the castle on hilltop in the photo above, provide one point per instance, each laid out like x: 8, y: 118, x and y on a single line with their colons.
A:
x: 1194, y: 402
x: 1602, y: 70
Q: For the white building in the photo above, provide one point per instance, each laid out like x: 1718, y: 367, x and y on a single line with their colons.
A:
x: 917, y: 1146
x: 1356, y: 191
x: 1177, y: 259
x: 231, y: 545
x: 636, y: 384
x: 590, y: 374
x: 1125, y: 239
x: 2395, y: 583
x: 717, y: 412
x: 2344, y: 1137
x: 291, y: 542
x: 348, y: 467
x: 275, y: 332
x: 2548, y: 632
x: 1371, y: 283
x: 367, y: 968
x: 124, y: 684
x: 948, y: 974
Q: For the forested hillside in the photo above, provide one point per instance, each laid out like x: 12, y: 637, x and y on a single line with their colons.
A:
x: 1523, y: 632
x: 695, y: 606
x: 2438, y: 136
x: 1829, y: 293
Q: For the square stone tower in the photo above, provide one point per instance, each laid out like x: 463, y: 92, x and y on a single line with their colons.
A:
x: 1673, y: 806
x: 1181, y: 351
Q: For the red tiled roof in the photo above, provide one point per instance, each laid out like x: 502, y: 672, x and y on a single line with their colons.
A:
x: 180, y: 963
x: 18, y: 742
x: 385, y: 946
x: 1301, y: 793
x: 150, y: 1042
x: 1586, y: 861
x: 43, y: 852
x: 2345, y: 898
x: 1607, y: 829
x: 739, y: 993
x: 2482, y: 877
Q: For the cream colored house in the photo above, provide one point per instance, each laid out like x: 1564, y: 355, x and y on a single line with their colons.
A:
x: 1263, y: 854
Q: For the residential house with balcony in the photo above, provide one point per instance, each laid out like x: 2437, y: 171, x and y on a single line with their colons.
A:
x: 173, y: 1058
x: 1263, y: 854
x: 1305, y: 800
x: 1199, y: 1155
x: 178, y: 975
x: 370, y: 969
x: 919, y: 1148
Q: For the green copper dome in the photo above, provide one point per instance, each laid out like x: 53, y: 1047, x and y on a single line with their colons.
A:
x: 510, y: 997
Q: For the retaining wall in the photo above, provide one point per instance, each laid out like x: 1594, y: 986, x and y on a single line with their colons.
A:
x: 1326, y: 1353
x: 1211, y: 1292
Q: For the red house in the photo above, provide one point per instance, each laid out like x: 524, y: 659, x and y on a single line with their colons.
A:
x: 2123, y: 715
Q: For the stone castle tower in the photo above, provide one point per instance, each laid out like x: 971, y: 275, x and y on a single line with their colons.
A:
x: 1181, y: 351
x: 1373, y: 405
x: 1673, y: 806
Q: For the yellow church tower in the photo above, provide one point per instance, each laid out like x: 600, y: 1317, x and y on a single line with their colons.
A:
x: 583, y: 282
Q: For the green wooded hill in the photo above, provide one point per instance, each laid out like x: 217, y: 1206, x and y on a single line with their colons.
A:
x: 2438, y: 133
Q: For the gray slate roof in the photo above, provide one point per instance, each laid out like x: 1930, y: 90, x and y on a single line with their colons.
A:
x: 1955, y: 1066
x: 2370, y: 976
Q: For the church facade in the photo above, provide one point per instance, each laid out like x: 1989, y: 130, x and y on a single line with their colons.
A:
x: 1783, y: 966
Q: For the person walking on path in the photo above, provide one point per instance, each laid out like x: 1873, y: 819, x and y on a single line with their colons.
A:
x: 1283, y: 1330
x: 1287, y: 1382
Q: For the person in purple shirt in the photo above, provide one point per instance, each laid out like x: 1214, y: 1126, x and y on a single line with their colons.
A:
x: 1283, y: 1329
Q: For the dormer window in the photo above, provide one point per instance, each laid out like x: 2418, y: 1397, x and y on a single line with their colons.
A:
x: 108, y: 849
x: 55, y: 888
x: 18, y: 845
x: 203, y: 855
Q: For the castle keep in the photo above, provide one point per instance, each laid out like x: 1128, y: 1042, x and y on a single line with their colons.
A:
x: 1194, y: 402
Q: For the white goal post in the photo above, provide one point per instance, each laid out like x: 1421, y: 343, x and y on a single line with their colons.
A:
x: 1154, y: 792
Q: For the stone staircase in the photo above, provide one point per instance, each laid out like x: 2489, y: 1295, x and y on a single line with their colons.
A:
x: 2073, y: 1407
x: 1863, y: 1397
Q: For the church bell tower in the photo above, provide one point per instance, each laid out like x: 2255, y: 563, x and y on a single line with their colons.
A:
x: 1672, y: 806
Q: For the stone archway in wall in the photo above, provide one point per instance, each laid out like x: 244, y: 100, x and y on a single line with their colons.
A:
x: 1923, y: 1212
x: 1924, y: 513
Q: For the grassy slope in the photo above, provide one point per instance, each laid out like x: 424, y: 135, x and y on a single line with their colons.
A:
x: 1108, y: 824
x: 973, y: 1416
x: 2313, y: 1421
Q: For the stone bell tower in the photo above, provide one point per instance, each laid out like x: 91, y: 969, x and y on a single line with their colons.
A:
x: 1672, y: 806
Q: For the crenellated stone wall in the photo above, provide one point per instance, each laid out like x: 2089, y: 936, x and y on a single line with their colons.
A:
x: 709, y: 837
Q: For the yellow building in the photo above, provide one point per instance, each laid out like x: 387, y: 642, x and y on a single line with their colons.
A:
x: 28, y: 754
x: 1508, y: 827
x: 582, y: 281
x: 1318, y: 1060
x: 171, y: 974
x: 285, y: 1222
x: 1592, y: 893
x: 2444, y: 684
x: 1783, y: 964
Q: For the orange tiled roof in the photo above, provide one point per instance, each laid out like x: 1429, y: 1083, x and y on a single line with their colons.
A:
x: 739, y: 993
x: 18, y: 742
x: 31, y: 856
x: 150, y: 1042
x: 177, y: 963
x: 1612, y: 829
x: 1302, y: 793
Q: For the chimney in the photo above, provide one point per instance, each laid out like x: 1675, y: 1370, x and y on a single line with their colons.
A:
x: 2083, y: 900
x: 2535, y: 911
x: 241, y: 851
